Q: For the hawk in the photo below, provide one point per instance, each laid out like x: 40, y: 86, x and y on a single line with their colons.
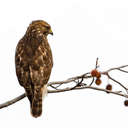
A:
x: 33, y: 62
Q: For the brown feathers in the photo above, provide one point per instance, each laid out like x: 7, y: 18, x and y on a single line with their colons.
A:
x: 34, y: 62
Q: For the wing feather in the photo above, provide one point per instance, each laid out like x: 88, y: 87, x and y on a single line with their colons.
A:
x: 22, y: 70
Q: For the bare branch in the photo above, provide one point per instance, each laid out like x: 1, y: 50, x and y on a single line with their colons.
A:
x: 12, y: 101
x: 80, y: 82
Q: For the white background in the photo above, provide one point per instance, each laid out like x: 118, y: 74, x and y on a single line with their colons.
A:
x: 83, y: 30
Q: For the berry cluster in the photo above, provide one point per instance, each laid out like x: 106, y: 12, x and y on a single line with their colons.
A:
x: 95, y: 73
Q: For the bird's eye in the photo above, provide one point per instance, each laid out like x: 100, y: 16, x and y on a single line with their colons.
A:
x: 48, y: 27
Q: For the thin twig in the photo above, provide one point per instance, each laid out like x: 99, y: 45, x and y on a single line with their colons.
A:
x: 96, y: 63
x: 117, y: 82
x: 123, y: 70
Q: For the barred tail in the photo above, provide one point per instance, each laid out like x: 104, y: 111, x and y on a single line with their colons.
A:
x: 29, y: 93
x: 36, y: 108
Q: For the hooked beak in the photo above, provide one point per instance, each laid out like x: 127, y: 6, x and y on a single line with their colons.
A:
x: 50, y: 32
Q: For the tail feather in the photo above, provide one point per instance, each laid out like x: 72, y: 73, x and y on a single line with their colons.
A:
x: 36, y: 109
x: 29, y: 94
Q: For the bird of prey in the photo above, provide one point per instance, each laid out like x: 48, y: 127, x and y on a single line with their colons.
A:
x: 34, y: 62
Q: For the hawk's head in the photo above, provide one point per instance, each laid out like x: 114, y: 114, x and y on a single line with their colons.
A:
x: 39, y: 28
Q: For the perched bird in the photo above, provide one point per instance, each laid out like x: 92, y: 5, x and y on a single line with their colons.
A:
x: 33, y: 61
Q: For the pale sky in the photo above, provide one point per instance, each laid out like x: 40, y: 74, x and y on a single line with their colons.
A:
x: 83, y: 30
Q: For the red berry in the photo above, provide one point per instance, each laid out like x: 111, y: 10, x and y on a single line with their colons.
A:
x: 94, y: 72
x: 109, y: 87
x: 98, y: 74
x: 98, y: 81
x: 126, y: 103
